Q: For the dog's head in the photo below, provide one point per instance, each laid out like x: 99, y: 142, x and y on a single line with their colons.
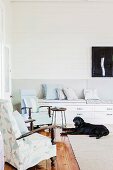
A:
x: 78, y: 121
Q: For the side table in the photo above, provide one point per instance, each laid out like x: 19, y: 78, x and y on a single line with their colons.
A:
x: 63, y: 116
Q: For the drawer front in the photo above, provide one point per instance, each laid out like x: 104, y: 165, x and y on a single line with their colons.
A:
x: 103, y: 114
x: 89, y: 115
x: 68, y: 107
x: 75, y: 108
x: 108, y: 118
x: 103, y: 108
x: 104, y: 117
x: 83, y: 108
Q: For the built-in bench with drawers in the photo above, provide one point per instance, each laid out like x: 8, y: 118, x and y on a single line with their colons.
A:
x: 92, y: 111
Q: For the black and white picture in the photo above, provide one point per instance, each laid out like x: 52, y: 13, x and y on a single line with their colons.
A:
x: 102, y: 61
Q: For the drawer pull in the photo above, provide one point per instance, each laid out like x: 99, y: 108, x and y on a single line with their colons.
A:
x: 109, y: 108
x: 79, y: 108
x: 79, y: 114
x: 109, y: 114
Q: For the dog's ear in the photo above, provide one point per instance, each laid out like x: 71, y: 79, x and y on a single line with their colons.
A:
x: 81, y: 121
x: 76, y: 119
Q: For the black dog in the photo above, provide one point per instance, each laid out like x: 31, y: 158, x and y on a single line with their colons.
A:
x: 86, y: 129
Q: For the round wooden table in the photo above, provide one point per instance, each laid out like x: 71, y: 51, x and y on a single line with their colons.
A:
x: 63, y: 116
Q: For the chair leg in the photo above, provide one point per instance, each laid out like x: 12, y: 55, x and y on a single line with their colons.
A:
x: 49, y: 129
x: 53, y: 161
x: 52, y: 136
x: 36, y: 167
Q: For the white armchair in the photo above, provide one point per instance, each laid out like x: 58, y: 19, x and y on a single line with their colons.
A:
x: 18, y: 144
x: 29, y: 104
x: 1, y: 153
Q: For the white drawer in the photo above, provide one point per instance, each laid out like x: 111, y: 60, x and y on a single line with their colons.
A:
x: 83, y: 108
x: 79, y: 108
x: 104, y: 114
x: 89, y: 115
x: 103, y: 108
x: 104, y: 117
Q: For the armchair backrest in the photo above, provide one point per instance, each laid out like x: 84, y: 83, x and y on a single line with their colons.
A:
x: 29, y: 99
x: 15, y: 151
x: 9, y: 129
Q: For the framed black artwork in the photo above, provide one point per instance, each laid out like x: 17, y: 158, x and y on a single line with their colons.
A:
x: 102, y: 61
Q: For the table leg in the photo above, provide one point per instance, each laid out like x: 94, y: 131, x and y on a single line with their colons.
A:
x: 52, y: 117
x: 65, y: 119
x: 62, y: 118
x: 55, y: 118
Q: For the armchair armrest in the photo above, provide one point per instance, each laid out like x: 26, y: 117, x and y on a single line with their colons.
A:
x: 49, y: 109
x: 29, y: 120
x: 31, y: 123
x: 26, y: 108
x: 52, y: 127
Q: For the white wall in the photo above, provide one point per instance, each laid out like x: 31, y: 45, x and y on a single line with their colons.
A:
x: 5, y: 37
x: 7, y: 50
x: 8, y: 21
x: 53, y: 40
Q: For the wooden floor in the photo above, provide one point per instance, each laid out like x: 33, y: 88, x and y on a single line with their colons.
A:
x: 65, y: 159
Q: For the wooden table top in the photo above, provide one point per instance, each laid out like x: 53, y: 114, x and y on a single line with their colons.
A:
x: 58, y: 109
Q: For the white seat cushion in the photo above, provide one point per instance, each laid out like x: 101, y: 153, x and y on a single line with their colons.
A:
x: 40, y: 118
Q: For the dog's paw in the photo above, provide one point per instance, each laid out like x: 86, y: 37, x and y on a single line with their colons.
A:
x: 98, y: 137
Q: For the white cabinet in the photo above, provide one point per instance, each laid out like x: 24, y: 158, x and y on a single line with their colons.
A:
x: 91, y: 113
x: 103, y: 114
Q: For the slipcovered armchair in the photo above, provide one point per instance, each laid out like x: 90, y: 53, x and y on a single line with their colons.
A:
x: 1, y: 153
x: 22, y: 148
x: 31, y: 109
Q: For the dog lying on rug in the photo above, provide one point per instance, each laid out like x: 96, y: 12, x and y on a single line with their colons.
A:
x: 83, y: 128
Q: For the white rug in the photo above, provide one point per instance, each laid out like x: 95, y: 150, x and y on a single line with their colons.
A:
x: 91, y: 153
